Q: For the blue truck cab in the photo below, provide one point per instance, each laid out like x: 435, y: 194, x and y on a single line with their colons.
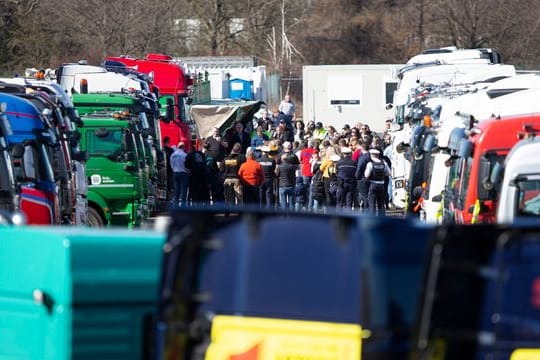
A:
x: 38, y: 193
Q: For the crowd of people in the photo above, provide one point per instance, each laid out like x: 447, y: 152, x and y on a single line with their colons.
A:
x: 277, y: 161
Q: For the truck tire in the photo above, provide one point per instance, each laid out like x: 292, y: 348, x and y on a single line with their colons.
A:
x: 94, y: 218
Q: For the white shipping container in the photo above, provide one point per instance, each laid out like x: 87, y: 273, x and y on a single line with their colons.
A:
x: 347, y: 94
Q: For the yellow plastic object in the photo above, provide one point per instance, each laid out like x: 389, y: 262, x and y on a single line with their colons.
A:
x: 243, y: 338
x: 525, y: 354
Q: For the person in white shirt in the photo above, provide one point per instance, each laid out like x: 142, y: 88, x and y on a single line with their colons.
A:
x: 181, y: 176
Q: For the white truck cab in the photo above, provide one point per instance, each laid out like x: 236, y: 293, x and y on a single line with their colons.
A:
x: 96, y: 78
x: 520, y: 188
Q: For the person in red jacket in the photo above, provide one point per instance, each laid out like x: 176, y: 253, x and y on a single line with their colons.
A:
x: 251, y: 176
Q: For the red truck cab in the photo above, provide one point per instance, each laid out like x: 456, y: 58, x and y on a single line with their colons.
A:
x: 474, y: 178
x: 173, y: 85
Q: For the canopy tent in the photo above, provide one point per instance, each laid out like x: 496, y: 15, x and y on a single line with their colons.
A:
x: 222, y: 113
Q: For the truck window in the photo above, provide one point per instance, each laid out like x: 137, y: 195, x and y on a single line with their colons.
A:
x: 487, y: 179
x: 390, y: 89
x: 528, y: 198
x: 106, y: 143
x: 44, y: 169
x: 182, y: 110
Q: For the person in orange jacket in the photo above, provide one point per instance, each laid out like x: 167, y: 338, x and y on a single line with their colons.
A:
x: 251, y: 176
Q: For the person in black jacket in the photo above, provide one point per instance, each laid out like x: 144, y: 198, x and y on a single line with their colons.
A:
x: 199, y: 177
x: 268, y: 163
x: 362, y: 182
x: 317, y: 188
x: 231, y: 186
x: 239, y: 136
x: 346, y: 168
x: 286, y: 174
x: 376, y: 171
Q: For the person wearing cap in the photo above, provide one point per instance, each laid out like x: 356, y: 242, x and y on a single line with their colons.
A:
x: 346, y: 168
x: 266, y: 190
x: 376, y: 172
x: 180, y: 174
x: 232, y: 186
x: 291, y: 157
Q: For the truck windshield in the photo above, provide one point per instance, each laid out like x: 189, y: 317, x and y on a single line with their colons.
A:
x: 107, y: 143
x: 528, y: 203
x: 45, y: 171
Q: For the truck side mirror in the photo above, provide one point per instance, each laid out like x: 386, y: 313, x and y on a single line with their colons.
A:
x: 484, y: 176
x: 24, y: 163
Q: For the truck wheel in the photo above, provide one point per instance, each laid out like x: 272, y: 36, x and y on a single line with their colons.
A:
x: 94, y: 218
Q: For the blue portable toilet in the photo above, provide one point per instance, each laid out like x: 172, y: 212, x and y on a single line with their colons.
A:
x: 241, y: 89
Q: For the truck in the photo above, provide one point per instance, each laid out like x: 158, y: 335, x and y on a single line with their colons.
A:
x: 118, y: 190
x: 130, y: 108
x: 62, y: 155
x: 348, y: 94
x: 480, y: 293
x: 472, y: 186
x: 105, y: 92
x: 78, y: 293
x: 29, y: 146
x: 520, y: 187
x: 421, y: 74
x: 437, y: 105
x: 173, y: 86
x: 502, y: 98
x: 347, y: 287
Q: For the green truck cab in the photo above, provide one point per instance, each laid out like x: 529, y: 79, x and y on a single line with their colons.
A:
x: 71, y: 293
x: 137, y: 111
x: 117, y: 190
